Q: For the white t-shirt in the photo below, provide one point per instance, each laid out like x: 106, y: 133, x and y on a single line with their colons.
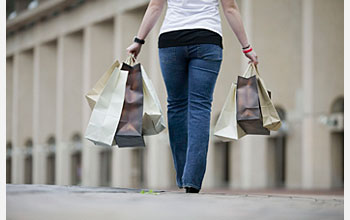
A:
x: 189, y: 14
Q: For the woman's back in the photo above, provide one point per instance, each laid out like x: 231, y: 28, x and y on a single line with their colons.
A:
x: 190, y: 14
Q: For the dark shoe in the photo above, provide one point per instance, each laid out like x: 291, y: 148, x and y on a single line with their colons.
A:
x: 191, y: 190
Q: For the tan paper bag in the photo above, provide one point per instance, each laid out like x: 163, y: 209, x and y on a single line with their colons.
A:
x: 226, y: 128
x: 93, y: 95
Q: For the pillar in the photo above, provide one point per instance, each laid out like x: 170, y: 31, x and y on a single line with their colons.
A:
x: 98, y: 48
x: 22, y: 110
x: 70, y: 99
x: 44, y: 126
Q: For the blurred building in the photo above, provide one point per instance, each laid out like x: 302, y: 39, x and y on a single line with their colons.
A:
x: 57, y: 49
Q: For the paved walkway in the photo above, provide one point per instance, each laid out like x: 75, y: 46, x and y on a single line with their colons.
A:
x: 51, y: 202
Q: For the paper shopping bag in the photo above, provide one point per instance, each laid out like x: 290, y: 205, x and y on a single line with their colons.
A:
x: 153, y: 118
x: 106, y: 113
x: 270, y: 117
x: 249, y: 115
x: 93, y: 95
x: 129, y: 130
x: 226, y: 128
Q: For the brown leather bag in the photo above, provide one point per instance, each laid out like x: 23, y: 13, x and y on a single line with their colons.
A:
x: 129, y: 130
x: 249, y: 115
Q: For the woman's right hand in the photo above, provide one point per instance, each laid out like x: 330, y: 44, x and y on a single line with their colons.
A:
x: 134, y: 48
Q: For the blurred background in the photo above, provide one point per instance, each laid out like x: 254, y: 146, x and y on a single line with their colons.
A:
x: 56, y: 50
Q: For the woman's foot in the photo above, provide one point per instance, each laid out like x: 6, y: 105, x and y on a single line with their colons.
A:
x: 191, y: 189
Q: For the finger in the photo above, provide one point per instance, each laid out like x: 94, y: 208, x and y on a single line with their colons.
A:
x: 129, y: 50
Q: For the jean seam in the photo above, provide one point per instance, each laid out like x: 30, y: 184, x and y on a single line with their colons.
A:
x: 207, y: 70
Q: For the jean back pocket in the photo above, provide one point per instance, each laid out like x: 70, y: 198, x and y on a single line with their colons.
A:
x: 209, y: 52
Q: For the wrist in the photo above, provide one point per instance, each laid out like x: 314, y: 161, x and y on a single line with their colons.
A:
x: 247, y: 49
x: 245, y: 46
x: 139, y: 40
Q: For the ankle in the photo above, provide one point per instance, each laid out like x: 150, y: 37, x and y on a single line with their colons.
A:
x: 191, y: 189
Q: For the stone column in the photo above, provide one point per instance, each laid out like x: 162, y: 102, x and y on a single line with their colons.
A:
x: 89, y: 152
x: 9, y: 118
x: 307, y: 82
x: 323, y: 82
x: 16, y: 177
x: 38, y: 156
x: 253, y: 148
x: 70, y: 100
x: 214, y: 171
x: 9, y: 99
x: 235, y: 163
x: 125, y: 27
x: 62, y: 157
x: 22, y: 110
x: 45, y: 105
x: 98, y: 56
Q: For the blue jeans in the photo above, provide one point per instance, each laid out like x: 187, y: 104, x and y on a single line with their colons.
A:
x: 190, y: 74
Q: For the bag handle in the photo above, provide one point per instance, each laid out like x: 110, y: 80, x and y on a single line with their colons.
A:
x: 255, y: 67
x: 249, y: 71
x: 131, y: 59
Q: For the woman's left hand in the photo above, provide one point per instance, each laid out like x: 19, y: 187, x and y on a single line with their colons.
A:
x: 253, y: 57
x: 134, y: 48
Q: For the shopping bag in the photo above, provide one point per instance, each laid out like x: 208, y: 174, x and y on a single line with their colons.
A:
x: 93, y: 95
x: 153, y: 118
x: 129, y: 130
x: 106, y: 113
x: 271, y: 119
x: 226, y: 128
x: 249, y: 115
x: 269, y: 115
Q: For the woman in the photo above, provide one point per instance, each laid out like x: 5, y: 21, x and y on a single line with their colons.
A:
x: 190, y: 54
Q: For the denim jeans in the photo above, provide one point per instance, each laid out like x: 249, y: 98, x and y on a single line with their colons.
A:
x: 190, y: 74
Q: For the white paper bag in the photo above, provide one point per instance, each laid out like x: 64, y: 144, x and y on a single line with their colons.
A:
x: 153, y: 118
x: 227, y: 128
x: 93, y: 95
x: 106, y: 113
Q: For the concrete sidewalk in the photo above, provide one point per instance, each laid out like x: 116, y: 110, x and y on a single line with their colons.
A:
x: 51, y: 202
